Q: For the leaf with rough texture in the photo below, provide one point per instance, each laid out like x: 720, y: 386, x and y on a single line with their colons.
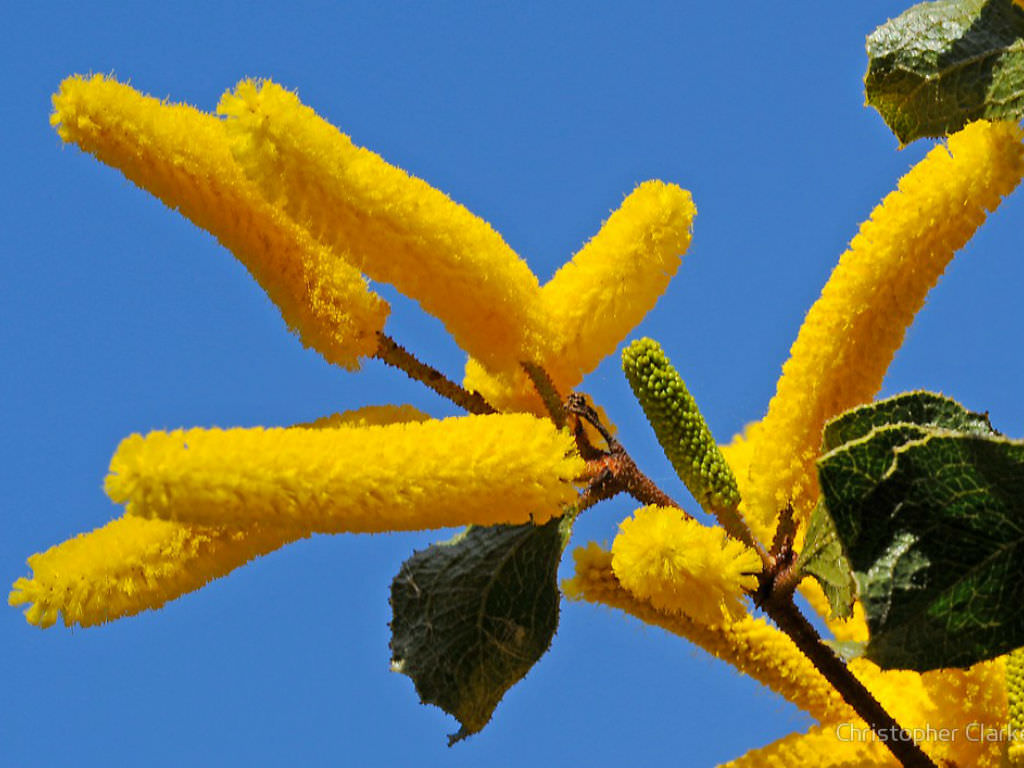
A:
x: 940, y: 65
x: 921, y: 408
x: 932, y: 522
x: 472, y: 615
x: 822, y: 557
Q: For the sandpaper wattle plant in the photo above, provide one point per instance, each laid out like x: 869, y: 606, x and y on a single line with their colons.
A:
x: 312, y: 216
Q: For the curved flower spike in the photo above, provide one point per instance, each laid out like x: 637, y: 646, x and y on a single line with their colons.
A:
x: 610, y: 285
x: 394, y: 227
x: 598, y: 297
x: 132, y: 564
x: 476, y: 469
x: 853, y: 330
x: 181, y: 156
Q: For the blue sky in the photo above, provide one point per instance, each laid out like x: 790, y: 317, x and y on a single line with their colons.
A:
x: 118, y: 316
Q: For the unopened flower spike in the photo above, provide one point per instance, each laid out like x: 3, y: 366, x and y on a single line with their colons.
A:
x: 182, y: 156
x: 683, y: 434
x: 1015, y: 706
x: 133, y: 564
x: 486, y: 470
x: 852, y: 332
x: 394, y: 227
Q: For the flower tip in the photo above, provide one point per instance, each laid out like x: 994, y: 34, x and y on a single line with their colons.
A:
x: 635, y: 349
x: 17, y: 595
x: 38, y: 614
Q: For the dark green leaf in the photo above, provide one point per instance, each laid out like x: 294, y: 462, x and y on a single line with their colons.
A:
x: 921, y: 408
x: 932, y: 522
x: 822, y: 557
x: 472, y: 615
x: 851, y: 474
x: 864, y: 462
x: 939, y: 65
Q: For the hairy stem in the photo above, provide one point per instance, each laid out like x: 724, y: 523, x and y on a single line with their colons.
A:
x: 612, y: 471
x: 391, y: 353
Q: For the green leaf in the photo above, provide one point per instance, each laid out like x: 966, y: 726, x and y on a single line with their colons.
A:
x: 862, y: 465
x: 847, y: 650
x: 932, y: 523
x: 939, y: 65
x: 822, y: 557
x: 472, y: 615
x: 921, y: 408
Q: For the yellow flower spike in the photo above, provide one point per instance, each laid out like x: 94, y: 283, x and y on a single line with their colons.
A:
x: 396, y: 228
x: 681, y: 566
x: 852, y: 332
x: 603, y: 293
x: 476, y: 469
x: 945, y: 710
x: 967, y: 699
x: 1015, y: 706
x: 750, y: 644
x: 132, y: 564
x: 181, y: 155
x: 598, y: 297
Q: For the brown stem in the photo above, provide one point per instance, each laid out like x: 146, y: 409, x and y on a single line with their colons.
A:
x: 391, y: 353
x: 546, y: 389
x: 780, y: 607
x: 612, y: 471
x: 642, y: 488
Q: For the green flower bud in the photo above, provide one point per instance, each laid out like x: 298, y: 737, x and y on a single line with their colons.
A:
x: 679, y: 426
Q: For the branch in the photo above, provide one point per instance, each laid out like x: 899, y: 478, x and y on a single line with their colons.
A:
x: 546, y: 389
x: 391, y: 353
x: 778, y: 604
x: 612, y: 471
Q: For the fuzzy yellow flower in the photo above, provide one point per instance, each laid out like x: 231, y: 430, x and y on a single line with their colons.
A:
x: 183, y: 157
x: 681, y: 566
x: 852, y: 332
x: 311, y: 215
x: 487, y: 470
x: 393, y: 227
